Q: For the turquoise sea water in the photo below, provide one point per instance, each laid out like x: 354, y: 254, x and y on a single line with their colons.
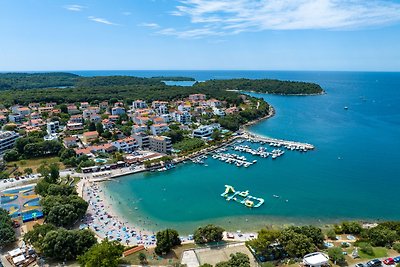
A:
x: 363, y: 184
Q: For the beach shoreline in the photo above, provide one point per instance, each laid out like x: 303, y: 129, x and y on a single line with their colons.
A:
x: 108, y: 204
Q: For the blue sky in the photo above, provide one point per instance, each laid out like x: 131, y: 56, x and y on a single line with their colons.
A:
x: 200, y: 34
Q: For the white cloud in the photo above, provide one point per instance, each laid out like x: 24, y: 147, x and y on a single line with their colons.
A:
x: 76, y: 8
x: 126, y: 13
x: 219, y: 17
x: 101, y: 20
x: 149, y: 25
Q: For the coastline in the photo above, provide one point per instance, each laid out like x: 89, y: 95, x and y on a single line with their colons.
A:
x: 267, y: 93
x: 109, y: 204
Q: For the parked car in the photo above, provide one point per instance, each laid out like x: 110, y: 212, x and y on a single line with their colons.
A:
x: 389, y: 261
x: 374, y: 263
x: 396, y: 259
x: 359, y: 265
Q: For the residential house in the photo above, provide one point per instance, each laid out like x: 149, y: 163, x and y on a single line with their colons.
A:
x: 76, y: 119
x: 167, y: 118
x: 70, y: 141
x: 95, y: 118
x: 53, y: 127
x: 157, y: 104
x: 14, y: 109
x: 218, y: 112
x: 142, y: 140
x: 126, y: 145
x: 3, y: 119
x: 107, y: 124
x: 206, y: 131
x: 73, y: 109
x: 77, y: 126
x: 139, y: 104
x: 113, y: 118
x: 90, y: 136
x: 139, y: 129
x: 24, y: 111
x: 15, y: 117
x: 84, y: 105
x: 34, y: 106
x: 158, y: 129
x: 45, y: 110
x: 141, y: 120
x: 214, y: 103
x: 197, y: 97
x: 7, y: 140
x: 163, y: 109
x: 36, y: 123
x: 231, y: 110
x: 118, y: 111
x: 51, y: 104
x: 35, y: 116
x: 183, y: 117
x: 103, y: 105
x: 184, y: 108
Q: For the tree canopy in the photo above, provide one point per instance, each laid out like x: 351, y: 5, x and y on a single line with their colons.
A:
x: 106, y: 253
x: 130, y: 88
x: 209, y: 233
x: 7, y: 234
x: 59, y: 243
x: 166, y: 240
x: 236, y: 260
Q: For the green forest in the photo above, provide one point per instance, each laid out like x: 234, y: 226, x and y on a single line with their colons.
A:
x: 66, y: 87
x: 10, y: 81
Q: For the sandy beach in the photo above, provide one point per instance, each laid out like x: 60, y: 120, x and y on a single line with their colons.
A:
x: 103, y: 219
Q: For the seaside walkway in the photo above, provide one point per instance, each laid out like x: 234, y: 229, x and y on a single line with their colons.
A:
x: 249, y: 135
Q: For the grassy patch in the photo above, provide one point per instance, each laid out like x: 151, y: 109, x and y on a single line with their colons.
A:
x: 190, y: 144
x: 34, y: 163
x: 152, y: 259
x: 379, y: 252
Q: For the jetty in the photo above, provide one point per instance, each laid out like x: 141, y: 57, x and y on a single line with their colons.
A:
x: 277, y: 142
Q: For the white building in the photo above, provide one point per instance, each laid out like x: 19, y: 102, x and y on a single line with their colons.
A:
x: 197, y: 97
x: 160, y: 144
x: 205, y: 131
x: 184, y: 108
x: 53, y: 127
x: 126, y: 145
x: 117, y: 111
x: 139, y: 104
x: 15, y: 117
x: 167, y: 118
x: 7, y: 140
x: 157, y: 129
x: 218, y: 112
x: 162, y: 109
x: 139, y: 129
x: 183, y: 117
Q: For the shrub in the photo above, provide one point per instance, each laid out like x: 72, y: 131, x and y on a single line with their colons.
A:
x: 367, y: 249
x: 331, y: 234
x: 396, y: 247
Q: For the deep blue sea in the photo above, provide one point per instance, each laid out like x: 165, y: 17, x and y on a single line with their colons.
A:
x: 354, y: 172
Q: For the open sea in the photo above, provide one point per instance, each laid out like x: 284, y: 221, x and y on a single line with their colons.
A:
x: 354, y: 172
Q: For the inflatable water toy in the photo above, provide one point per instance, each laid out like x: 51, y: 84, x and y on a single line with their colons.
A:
x: 242, y: 197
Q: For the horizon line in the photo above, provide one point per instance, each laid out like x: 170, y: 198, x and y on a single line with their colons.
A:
x: 200, y: 70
